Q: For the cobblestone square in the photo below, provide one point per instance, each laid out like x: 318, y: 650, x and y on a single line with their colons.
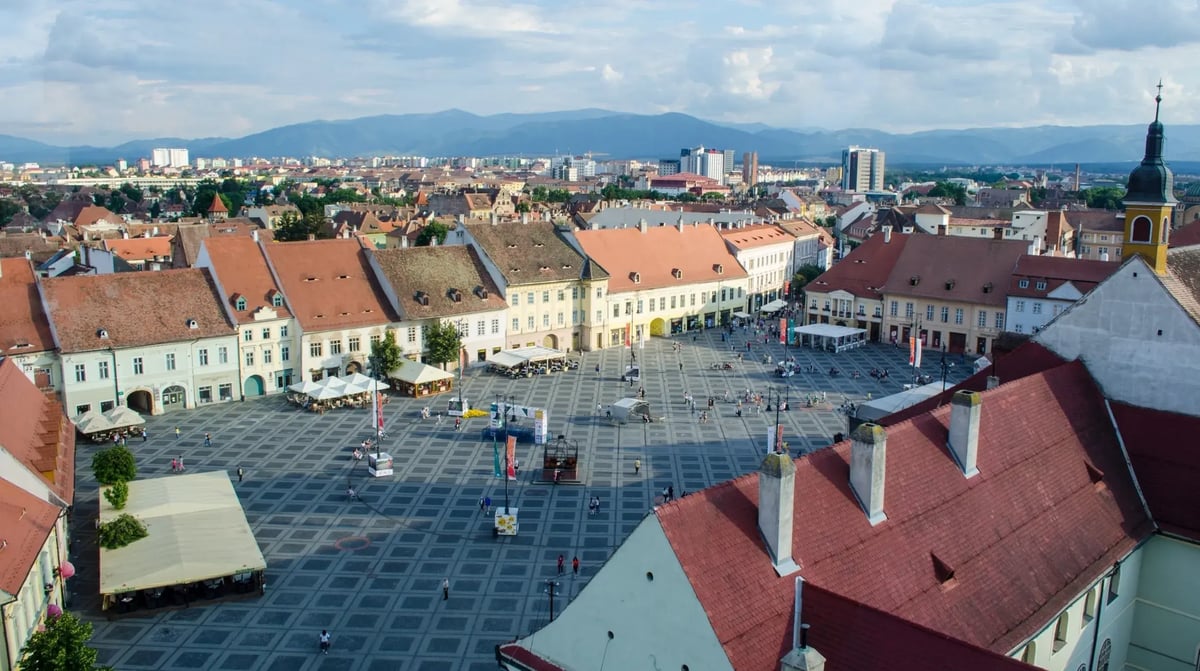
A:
x: 371, y: 570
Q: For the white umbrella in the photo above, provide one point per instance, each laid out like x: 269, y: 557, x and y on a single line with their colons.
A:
x: 324, y: 393
x: 92, y: 422
x: 122, y: 416
x: 305, y: 387
x: 358, y: 380
x: 333, y: 383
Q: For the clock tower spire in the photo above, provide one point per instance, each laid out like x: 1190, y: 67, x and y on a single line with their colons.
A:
x: 1150, y: 200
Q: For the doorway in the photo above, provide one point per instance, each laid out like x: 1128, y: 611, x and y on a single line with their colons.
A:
x: 142, y: 401
x: 173, y: 398
x: 254, y: 386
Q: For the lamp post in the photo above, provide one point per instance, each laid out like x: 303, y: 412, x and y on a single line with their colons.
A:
x: 945, y: 368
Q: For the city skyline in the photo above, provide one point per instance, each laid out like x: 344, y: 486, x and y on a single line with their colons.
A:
x: 114, y: 70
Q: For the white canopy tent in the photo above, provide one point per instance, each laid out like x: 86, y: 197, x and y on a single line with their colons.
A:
x: 415, y: 372
x: 869, y: 411
x: 92, y: 422
x: 831, y: 337
x: 122, y: 416
x: 305, y: 387
x: 198, y: 531
x: 774, y: 306
x: 364, y: 382
x: 511, y: 358
x: 741, y: 315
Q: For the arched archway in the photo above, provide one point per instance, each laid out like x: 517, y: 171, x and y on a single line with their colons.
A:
x: 658, y: 327
x: 142, y: 401
x: 254, y: 386
x: 550, y: 341
x: 353, y: 367
x: 174, y: 398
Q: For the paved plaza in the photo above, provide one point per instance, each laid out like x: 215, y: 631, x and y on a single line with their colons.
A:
x: 371, y: 571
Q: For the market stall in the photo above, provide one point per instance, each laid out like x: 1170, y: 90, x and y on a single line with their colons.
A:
x: 353, y: 391
x: 416, y: 379
x: 830, y: 337
x: 773, y: 307
x: 528, y: 361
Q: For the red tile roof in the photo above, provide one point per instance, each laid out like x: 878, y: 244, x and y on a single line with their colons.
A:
x: 1023, y: 537
x: 90, y: 214
x: 1055, y: 271
x: 1166, y: 459
x: 696, y: 251
x: 217, y: 205
x: 969, y: 263
x: 241, y: 269
x: 759, y: 235
x: 140, y: 249
x: 23, y: 324
x: 34, y: 429
x: 134, y: 309
x: 865, y: 270
x: 1187, y: 235
x: 25, y: 524
x: 433, y: 273
x: 329, y: 284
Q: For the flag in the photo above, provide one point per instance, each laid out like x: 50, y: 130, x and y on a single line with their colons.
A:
x: 496, y: 457
x: 629, y: 335
x: 511, y: 453
x: 783, y: 331
x: 912, y: 349
x: 378, y: 410
x: 917, y: 353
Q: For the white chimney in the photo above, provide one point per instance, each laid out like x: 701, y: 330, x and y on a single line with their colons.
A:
x: 642, y: 225
x: 801, y: 657
x: 145, y: 234
x: 494, y: 218
x: 868, y: 466
x: 887, y: 234
x: 524, y: 217
x: 433, y: 241
x: 679, y: 223
x: 404, y: 242
x: 124, y: 235
x: 964, y: 430
x: 776, y: 507
x: 993, y: 381
x: 254, y: 234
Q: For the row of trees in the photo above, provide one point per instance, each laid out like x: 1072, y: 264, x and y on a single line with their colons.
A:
x: 116, y: 467
x: 443, y: 341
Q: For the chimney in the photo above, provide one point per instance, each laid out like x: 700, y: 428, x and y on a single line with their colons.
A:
x: 801, y: 657
x: 942, y: 229
x: 404, y: 242
x: 776, y: 506
x: 146, y: 234
x: 433, y: 241
x: 312, y: 236
x: 642, y: 225
x: 524, y: 217
x: 997, y: 233
x: 964, y: 430
x: 868, y: 465
x: 494, y: 219
x: 155, y: 232
x: 124, y: 235
x: 993, y: 381
x: 254, y: 234
x: 679, y: 223
x: 887, y: 234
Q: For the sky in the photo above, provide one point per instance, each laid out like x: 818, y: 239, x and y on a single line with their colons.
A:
x: 106, y: 71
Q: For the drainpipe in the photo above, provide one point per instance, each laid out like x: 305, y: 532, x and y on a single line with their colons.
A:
x: 116, y: 385
x: 1100, y: 599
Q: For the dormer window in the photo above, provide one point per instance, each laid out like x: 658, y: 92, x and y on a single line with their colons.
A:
x: 635, y: 277
x: 677, y: 273
x: 482, y: 292
x: 914, y: 280
x: 987, y: 288
x: 102, y: 334
x: 455, y: 295
x: 949, y: 285
x: 1023, y: 284
x: 719, y: 268
x: 421, y: 298
x: 240, y: 303
x: 193, y: 324
x: 277, y: 299
x: 1041, y: 285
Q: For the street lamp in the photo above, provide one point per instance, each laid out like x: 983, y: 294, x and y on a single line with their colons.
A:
x: 945, y: 368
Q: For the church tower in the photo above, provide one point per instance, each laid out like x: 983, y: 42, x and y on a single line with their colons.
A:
x: 1150, y: 200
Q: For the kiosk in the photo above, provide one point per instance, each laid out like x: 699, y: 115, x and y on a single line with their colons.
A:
x: 457, y: 407
x: 506, y: 522
x: 379, y: 466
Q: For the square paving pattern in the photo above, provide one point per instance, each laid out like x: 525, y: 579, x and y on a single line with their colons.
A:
x: 370, y: 571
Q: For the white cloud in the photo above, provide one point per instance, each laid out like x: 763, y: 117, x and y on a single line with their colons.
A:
x: 105, y: 71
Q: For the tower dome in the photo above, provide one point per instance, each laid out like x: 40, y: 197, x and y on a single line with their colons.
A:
x: 1152, y: 181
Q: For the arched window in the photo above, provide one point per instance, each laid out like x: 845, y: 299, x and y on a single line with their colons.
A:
x: 1030, y: 655
x: 1105, y: 654
x: 1166, y: 228
x: 1140, y: 229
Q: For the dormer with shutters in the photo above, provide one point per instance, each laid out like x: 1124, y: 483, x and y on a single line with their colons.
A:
x: 421, y: 298
x: 482, y: 292
x: 455, y: 295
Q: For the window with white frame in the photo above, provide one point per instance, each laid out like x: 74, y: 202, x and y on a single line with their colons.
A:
x: 222, y: 355
x: 945, y: 314
x: 516, y: 325
x: 495, y: 326
x: 481, y: 327
x: 80, y: 373
x: 267, y: 355
x: 412, y: 334
x: 335, y: 346
x: 315, y: 348
x: 248, y: 356
x: 202, y: 357
x: 285, y: 353
x: 1020, y: 306
x: 283, y: 331
x: 247, y: 335
x: 982, y: 319
x: 138, y: 368
x: 355, y: 343
x: 893, y: 308
x: 958, y: 315
x: 103, y: 366
x: 1037, y: 307
x: 266, y: 333
x: 170, y: 361
x: 531, y: 323
x: 546, y: 320
x: 1000, y: 320
x: 929, y: 312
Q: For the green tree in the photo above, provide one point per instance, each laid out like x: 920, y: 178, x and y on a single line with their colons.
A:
x: 949, y: 190
x: 444, y: 343
x: 116, y: 202
x: 155, y: 210
x: 117, y: 495
x: 434, y: 229
x: 61, y: 646
x: 524, y: 206
x: 292, y: 227
x: 116, y: 464
x: 131, y: 192
x: 1104, y: 197
x: 119, y: 532
x: 385, y: 355
x: 8, y: 210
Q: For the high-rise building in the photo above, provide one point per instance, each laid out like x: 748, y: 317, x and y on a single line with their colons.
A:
x: 707, y: 162
x: 750, y: 168
x: 163, y: 157
x: 669, y: 166
x: 862, y: 169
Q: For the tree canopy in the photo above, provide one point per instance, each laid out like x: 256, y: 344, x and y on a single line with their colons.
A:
x: 434, y: 229
x: 1105, y: 197
x: 444, y: 343
x: 385, y: 355
x: 292, y: 227
x: 949, y: 190
x: 61, y: 646
x: 113, y: 465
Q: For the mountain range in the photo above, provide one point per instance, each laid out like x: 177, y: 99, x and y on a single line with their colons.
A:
x: 608, y: 134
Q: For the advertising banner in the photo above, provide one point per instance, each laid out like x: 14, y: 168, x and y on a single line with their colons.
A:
x: 511, y: 452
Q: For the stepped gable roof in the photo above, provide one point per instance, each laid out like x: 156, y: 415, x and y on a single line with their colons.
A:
x: 759, y: 235
x: 241, y: 269
x: 23, y: 324
x: 1027, y: 359
x: 25, y: 524
x: 1056, y: 271
x: 451, y: 279
x: 93, y: 312
x: 696, y: 251
x: 1059, y: 530
x: 865, y: 270
x: 140, y: 249
x: 954, y: 268
x: 528, y: 253
x: 1188, y: 234
x: 1166, y: 459
x: 329, y: 284
x: 35, y: 430
x: 1183, y: 278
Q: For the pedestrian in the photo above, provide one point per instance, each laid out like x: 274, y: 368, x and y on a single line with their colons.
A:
x: 177, y: 432
x: 637, y: 466
x: 324, y: 642
x: 487, y: 505
x: 241, y: 473
x: 145, y: 434
x: 599, y: 409
x: 457, y: 423
x: 680, y: 366
x: 350, y: 493
x: 208, y: 440
x: 597, y: 370
x: 174, y: 466
x: 446, y: 589
x: 664, y: 495
x: 560, y: 565
x: 481, y: 503
x: 575, y: 565
x: 671, y: 493
x: 180, y: 463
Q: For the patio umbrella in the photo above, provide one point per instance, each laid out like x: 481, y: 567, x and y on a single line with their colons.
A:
x: 305, y: 387
x: 122, y: 416
x: 92, y: 422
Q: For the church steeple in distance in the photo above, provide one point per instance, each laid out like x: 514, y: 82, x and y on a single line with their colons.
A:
x: 1150, y: 199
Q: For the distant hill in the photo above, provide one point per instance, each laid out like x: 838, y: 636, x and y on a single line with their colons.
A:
x: 618, y: 135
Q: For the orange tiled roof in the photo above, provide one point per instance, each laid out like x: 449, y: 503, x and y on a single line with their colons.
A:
x: 329, y: 284
x: 241, y: 270
x: 759, y: 235
x: 35, y: 430
x: 25, y: 524
x: 91, y: 214
x: 436, y: 272
x: 23, y: 324
x: 140, y: 249
x: 134, y: 309
x: 696, y: 251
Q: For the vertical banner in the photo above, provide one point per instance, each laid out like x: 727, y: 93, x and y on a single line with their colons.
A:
x: 775, y: 439
x: 511, y: 453
x: 912, y: 349
x: 917, y: 354
x: 783, y: 331
x: 791, y: 330
x: 496, y: 458
x: 378, y: 412
x: 629, y: 335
